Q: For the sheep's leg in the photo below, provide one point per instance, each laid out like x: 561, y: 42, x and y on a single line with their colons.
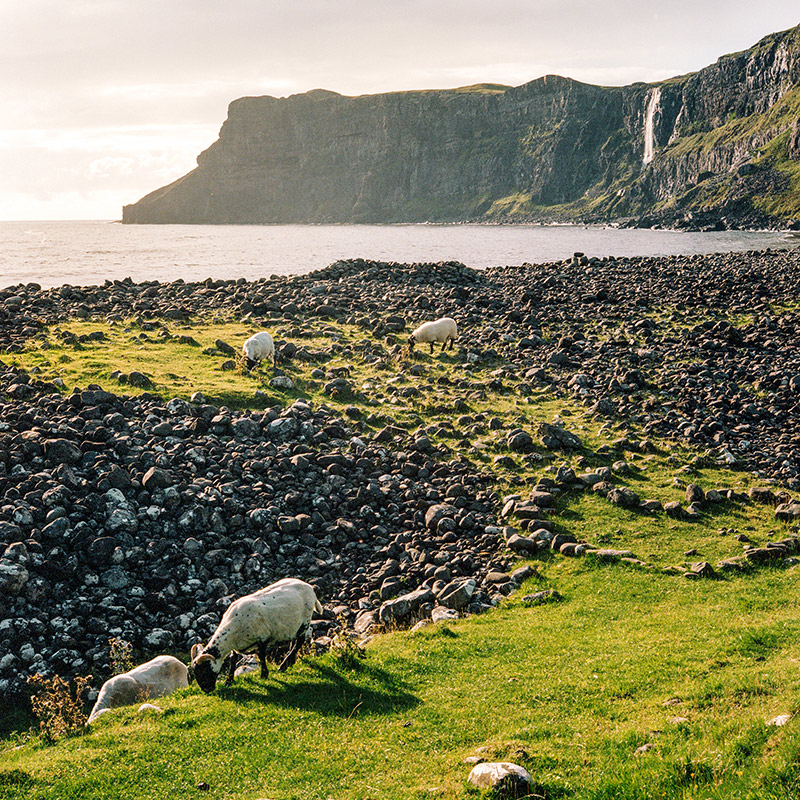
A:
x: 291, y: 656
x: 262, y: 659
x: 233, y: 661
x: 431, y: 348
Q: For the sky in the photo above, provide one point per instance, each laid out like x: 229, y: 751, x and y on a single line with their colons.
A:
x: 103, y: 101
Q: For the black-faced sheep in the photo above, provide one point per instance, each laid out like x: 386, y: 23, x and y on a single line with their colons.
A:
x: 258, y: 622
x: 442, y: 330
x: 160, y: 676
x: 258, y: 347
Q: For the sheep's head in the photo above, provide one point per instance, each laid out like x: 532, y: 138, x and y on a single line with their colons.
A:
x: 411, y: 342
x: 205, y: 668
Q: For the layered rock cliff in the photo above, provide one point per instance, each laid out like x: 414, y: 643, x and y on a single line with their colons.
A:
x: 724, y: 141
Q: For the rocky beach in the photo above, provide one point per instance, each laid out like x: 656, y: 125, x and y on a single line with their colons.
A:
x: 141, y: 516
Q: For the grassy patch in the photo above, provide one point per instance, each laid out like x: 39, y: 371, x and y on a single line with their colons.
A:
x: 639, y: 684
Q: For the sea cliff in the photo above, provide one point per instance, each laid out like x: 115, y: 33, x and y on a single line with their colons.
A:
x: 716, y: 148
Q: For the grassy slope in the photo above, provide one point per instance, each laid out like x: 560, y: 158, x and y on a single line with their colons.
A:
x: 569, y: 690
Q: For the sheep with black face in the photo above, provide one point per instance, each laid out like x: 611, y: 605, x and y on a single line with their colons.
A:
x: 258, y: 347
x: 256, y: 623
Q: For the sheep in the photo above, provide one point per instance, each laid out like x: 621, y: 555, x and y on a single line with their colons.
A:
x: 258, y: 347
x: 160, y: 676
x: 258, y: 622
x: 443, y: 330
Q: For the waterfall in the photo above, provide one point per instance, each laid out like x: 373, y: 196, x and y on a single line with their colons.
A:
x: 649, y: 136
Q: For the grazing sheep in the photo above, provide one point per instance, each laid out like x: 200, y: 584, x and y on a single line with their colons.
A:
x: 277, y: 614
x: 160, y: 676
x: 258, y: 347
x: 443, y: 330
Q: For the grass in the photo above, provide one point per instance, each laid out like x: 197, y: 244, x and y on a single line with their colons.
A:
x: 638, y: 684
x: 690, y: 671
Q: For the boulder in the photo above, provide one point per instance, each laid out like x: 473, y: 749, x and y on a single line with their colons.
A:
x: 503, y: 778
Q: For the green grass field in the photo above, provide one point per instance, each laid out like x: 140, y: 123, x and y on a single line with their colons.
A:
x: 637, y: 684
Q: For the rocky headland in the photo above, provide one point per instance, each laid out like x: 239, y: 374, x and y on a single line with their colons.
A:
x: 714, y: 149
x: 142, y: 516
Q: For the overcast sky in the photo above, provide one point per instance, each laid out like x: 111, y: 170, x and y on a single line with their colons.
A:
x: 102, y: 101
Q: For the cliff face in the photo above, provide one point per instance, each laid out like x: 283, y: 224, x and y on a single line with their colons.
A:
x: 550, y: 148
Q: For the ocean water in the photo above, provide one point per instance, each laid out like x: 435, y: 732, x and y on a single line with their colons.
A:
x: 86, y: 252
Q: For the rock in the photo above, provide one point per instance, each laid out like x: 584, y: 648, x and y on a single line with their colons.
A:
x: 519, y: 442
x: 780, y: 720
x: 139, y: 380
x: 400, y: 608
x: 115, y: 579
x: 761, y: 495
x: 608, y: 554
x: 365, y: 621
x: 156, y: 478
x: 458, y: 593
x: 703, y: 569
x: 443, y: 614
x: 556, y: 438
x: 788, y: 512
x: 159, y: 639
x: 437, y: 512
x: 13, y: 577
x: 62, y: 451
x: 673, y: 509
x: 694, y: 494
x: 503, y: 778
x: 525, y: 546
x: 245, y: 428
x: 625, y: 497
x: 539, y: 598
x: 282, y: 383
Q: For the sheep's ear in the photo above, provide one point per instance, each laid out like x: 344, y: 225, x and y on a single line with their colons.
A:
x: 195, y: 651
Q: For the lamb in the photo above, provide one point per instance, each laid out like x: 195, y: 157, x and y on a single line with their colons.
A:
x: 258, y: 622
x: 160, y: 676
x: 442, y: 330
x: 258, y: 347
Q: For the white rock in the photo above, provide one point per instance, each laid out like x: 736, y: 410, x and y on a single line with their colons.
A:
x: 494, y: 774
x: 282, y: 382
x: 442, y: 614
x: 149, y: 708
x: 780, y: 720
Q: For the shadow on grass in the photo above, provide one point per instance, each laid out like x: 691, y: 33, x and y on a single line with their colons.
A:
x: 332, y: 694
x: 17, y: 717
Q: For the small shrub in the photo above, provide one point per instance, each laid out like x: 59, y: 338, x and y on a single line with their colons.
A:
x: 345, y: 647
x: 120, y: 654
x: 57, y: 706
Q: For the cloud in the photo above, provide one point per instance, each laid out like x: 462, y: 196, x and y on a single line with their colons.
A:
x: 102, y: 92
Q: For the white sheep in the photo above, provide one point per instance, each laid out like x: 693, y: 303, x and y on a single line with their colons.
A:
x: 258, y: 347
x: 160, y: 676
x: 442, y: 330
x: 258, y: 622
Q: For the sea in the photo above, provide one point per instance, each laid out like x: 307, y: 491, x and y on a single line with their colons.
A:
x: 84, y: 253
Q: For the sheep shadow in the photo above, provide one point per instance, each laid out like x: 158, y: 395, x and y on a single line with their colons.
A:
x: 330, y: 694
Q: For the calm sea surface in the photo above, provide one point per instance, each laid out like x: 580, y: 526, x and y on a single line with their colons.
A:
x: 85, y: 253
